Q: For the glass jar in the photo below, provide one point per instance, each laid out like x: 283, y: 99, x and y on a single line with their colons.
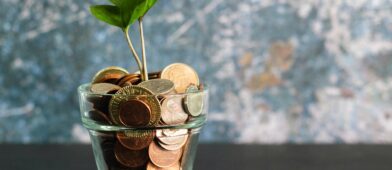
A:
x: 121, y: 140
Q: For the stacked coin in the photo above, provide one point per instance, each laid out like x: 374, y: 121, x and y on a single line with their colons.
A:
x: 170, y: 97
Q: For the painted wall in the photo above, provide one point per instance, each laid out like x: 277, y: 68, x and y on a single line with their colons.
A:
x: 279, y: 71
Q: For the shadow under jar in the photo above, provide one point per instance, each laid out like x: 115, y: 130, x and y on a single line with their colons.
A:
x: 152, y: 132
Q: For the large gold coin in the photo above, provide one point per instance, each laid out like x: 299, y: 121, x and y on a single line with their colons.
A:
x: 182, y: 76
x: 109, y: 75
x: 132, y: 93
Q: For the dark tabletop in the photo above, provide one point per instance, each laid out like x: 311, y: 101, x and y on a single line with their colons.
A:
x: 214, y: 157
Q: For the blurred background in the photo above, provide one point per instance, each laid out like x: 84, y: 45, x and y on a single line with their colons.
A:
x: 279, y: 71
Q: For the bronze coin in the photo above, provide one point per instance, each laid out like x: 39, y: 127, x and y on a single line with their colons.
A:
x: 163, y: 158
x: 151, y: 166
x: 109, y: 75
x: 129, y: 79
x: 181, y: 75
x: 134, y: 113
x: 130, y: 158
x: 136, y: 140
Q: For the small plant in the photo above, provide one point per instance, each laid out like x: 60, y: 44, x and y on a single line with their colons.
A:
x: 123, y: 14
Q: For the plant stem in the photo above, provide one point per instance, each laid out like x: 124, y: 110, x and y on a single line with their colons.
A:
x: 133, y: 51
x: 145, y: 72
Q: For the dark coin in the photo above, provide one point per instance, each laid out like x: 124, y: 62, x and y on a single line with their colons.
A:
x: 99, y: 116
x: 134, y: 79
x: 134, y: 113
x: 130, y: 158
x: 109, y: 75
x: 100, y: 102
x: 101, y: 99
x: 129, y: 79
x: 136, y: 140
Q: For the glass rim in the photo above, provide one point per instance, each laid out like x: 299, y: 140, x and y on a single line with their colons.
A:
x: 193, y: 124
x: 84, y: 89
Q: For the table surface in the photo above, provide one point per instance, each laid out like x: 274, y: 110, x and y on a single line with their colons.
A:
x: 213, y: 157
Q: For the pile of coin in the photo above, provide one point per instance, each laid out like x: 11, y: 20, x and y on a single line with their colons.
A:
x: 172, y: 96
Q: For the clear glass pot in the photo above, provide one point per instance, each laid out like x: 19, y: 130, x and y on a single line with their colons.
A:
x: 168, y: 140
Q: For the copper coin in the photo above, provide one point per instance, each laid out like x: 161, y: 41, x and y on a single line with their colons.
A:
x: 136, y: 140
x: 172, y: 111
x: 109, y: 75
x: 173, y: 139
x: 134, y: 113
x: 104, y: 88
x: 151, y: 166
x: 130, y: 158
x: 98, y: 116
x: 100, y: 102
x: 163, y: 158
x: 182, y: 76
x: 135, y: 93
x: 129, y: 79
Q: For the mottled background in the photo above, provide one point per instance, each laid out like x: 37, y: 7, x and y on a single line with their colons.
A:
x: 304, y: 71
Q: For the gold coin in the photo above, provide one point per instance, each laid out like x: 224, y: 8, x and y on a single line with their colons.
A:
x: 151, y: 166
x: 109, y: 75
x: 163, y: 158
x: 193, y: 101
x: 158, y: 86
x: 172, y: 111
x: 136, y: 140
x: 135, y: 93
x: 182, y: 76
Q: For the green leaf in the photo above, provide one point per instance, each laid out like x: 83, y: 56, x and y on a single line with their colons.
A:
x: 108, y: 13
x: 132, y: 10
x: 144, y: 7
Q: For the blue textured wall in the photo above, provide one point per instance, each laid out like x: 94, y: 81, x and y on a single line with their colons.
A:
x: 279, y: 71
